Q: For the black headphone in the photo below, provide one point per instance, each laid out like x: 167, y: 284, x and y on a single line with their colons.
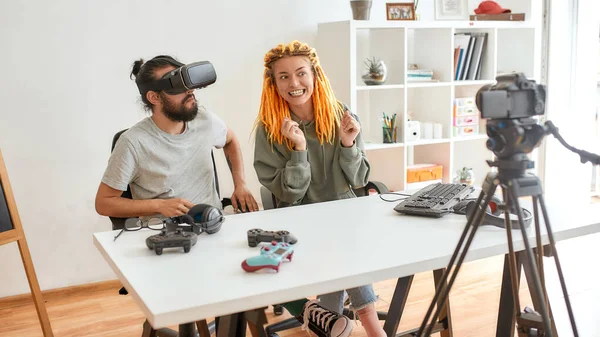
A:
x: 202, y: 218
x: 206, y: 218
x: 494, y: 216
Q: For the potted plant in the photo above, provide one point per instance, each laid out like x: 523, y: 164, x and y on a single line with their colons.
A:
x: 466, y: 176
x: 376, y: 72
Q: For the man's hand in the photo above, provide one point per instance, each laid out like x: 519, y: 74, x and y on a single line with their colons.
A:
x: 174, y: 207
x: 291, y: 131
x: 242, y: 199
x: 349, y: 129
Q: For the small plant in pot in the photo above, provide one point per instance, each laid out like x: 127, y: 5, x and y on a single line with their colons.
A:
x: 466, y: 176
x: 376, y: 72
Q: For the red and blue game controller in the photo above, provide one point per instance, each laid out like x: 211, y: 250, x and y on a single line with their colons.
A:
x: 270, y: 256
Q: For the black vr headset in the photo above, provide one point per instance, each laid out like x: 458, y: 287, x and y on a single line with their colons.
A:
x: 186, y: 77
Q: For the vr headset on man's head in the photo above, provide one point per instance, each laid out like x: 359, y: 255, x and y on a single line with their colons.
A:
x: 186, y: 77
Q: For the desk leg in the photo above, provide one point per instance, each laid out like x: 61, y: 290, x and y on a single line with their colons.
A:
x: 534, y: 298
x: 397, y: 305
x: 506, y: 311
x: 187, y: 330
x: 256, y: 322
x: 202, y: 327
x: 148, y: 331
x: 445, y: 313
x: 233, y: 325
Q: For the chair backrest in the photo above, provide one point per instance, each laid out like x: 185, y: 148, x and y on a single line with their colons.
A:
x: 119, y: 223
x: 270, y: 202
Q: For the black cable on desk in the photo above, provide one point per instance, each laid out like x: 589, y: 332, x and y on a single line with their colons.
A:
x: 395, y: 193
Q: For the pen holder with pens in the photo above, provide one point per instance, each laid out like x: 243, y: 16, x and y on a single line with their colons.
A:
x: 389, y: 135
x: 388, y: 128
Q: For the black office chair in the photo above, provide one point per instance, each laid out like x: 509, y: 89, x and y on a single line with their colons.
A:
x: 119, y: 223
x: 270, y: 202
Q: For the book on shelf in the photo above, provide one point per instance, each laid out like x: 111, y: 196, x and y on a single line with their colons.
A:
x: 419, y: 75
x: 469, y: 57
x: 420, y: 80
x: 498, y: 17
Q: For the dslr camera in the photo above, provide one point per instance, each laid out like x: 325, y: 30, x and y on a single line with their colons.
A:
x: 513, y: 96
x: 509, y: 106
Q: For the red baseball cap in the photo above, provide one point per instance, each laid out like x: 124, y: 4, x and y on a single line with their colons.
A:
x: 490, y: 7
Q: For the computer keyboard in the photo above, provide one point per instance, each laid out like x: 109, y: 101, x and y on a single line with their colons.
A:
x: 435, y: 200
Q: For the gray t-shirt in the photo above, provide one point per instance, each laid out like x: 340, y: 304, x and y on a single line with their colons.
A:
x: 158, y: 165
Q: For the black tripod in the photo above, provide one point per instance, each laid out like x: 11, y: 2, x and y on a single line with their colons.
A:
x: 515, y: 183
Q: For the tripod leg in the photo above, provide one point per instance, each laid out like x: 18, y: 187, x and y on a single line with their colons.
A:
x: 514, y: 268
x: 442, y: 290
x: 539, y: 245
x: 514, y: 194
x: 558, y: 266
x: 536, y: 301
x: 506, y: 311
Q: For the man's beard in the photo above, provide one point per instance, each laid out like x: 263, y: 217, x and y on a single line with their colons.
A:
x: 181, y: 113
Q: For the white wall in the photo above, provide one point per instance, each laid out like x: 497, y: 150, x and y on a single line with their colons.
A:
x: 65, y: 91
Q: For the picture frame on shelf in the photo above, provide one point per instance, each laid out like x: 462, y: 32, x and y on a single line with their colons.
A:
x: 451, y: 10
x: 404, y: 11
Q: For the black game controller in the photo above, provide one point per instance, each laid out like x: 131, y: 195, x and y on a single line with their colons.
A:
x: 257, y: 235
x: 167, y: 239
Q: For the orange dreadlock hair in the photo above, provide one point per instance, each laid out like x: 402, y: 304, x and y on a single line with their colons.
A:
x: 273, y: 108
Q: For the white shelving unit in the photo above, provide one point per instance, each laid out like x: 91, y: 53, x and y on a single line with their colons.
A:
x: 343, y: 46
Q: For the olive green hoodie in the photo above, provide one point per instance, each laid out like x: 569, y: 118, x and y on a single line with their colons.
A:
x: 323, y: 172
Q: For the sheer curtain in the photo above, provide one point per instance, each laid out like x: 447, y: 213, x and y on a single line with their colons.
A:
x: 571, y: 104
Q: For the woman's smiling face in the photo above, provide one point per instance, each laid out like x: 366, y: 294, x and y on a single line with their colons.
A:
x: 294, y: 79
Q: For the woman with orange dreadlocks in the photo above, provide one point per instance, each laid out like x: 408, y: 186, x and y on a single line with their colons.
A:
x: 309, y: 149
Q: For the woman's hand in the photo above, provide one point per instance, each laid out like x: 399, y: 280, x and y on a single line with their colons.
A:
x: 291, y: 130
x: 349, y: 129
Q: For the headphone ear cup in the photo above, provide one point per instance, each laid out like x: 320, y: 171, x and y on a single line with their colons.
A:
x: 471, y: 207
x: 187, y: 219
x: 493, y: 205
x: 197, y: 213
x: 495, y: 217
x: 214, y: 219
x: 206, y: 218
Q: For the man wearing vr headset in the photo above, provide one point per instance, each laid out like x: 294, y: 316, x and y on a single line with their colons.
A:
x: 166, y: 158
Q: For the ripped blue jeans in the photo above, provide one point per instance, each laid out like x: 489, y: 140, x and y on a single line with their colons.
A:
x: 360, y: 297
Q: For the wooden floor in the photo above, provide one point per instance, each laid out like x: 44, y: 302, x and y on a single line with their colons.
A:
x: 98, y: 309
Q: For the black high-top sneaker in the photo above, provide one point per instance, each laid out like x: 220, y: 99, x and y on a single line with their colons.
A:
x: 323, y: 322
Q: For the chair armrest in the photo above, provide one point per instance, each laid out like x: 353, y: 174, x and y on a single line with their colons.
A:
x: 378, y: 186
x: 267, y: 198
x: 225, y: 202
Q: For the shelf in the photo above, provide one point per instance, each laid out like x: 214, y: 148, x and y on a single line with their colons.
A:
x: 380, y: 87
x: 345, y: 45
x: 379, y: 146
x: 426, y: 84
x: 428, y: 141
x: 365, y: 24
x: 466, y: 138
x: 478, y: 82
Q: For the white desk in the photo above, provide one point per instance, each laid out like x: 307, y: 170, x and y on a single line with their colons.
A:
x: 341, y: 244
